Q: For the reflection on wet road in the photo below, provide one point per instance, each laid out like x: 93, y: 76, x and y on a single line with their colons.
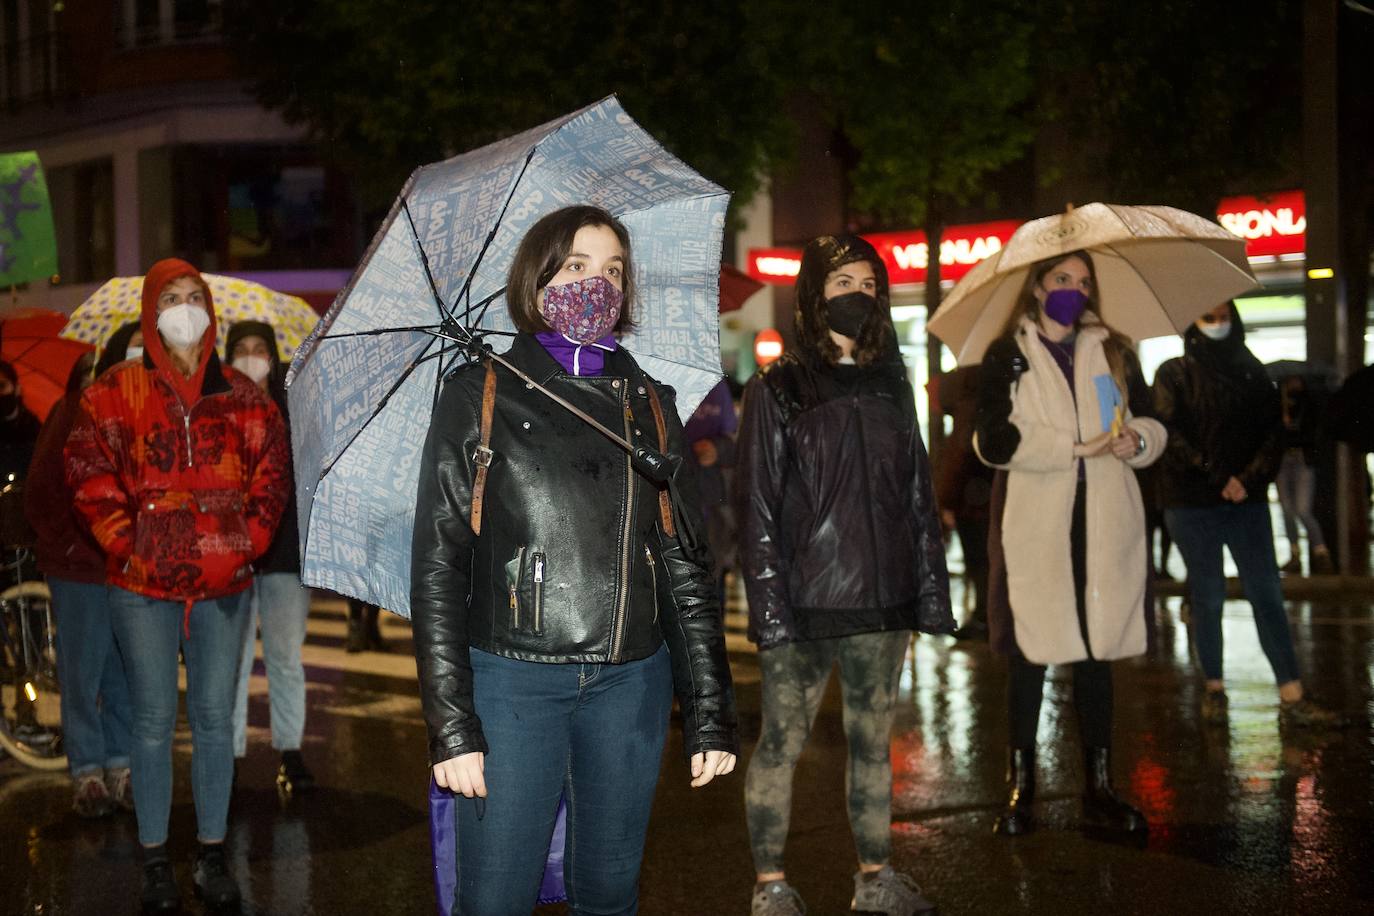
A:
x: 1244, y: 818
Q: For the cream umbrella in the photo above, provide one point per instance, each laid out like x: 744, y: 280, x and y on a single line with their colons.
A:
x: 1158, y: 269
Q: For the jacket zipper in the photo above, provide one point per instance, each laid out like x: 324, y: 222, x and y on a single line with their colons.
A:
x: 653, y: 575
x: 537, y: 613
x: 868, y: 502
x: 622, y: 599
x: 515, y: 588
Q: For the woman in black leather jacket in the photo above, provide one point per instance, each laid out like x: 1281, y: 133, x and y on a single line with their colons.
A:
x: 841, y: 549
x: 554, y: 610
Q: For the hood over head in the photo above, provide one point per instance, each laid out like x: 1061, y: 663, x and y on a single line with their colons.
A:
x: 260, y: 329
x: 821, y: 257
x: 1229, y: 355
x: 159, y: 275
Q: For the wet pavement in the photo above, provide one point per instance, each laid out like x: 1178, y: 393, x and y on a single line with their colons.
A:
x: 1246, y: 818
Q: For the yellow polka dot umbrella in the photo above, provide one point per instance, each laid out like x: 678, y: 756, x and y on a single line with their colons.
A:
x: 119, y: 301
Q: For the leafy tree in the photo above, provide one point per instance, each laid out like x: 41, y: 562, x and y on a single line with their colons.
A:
x: 387, y: 85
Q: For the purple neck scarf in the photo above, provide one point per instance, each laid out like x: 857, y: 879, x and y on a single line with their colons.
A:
x: 577, y: 358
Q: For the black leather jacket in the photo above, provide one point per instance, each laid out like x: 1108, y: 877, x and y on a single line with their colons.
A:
x: 572, y: 564
x: 839, y: 532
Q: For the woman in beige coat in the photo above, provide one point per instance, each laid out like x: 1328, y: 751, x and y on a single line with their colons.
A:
x: 1063, y: 414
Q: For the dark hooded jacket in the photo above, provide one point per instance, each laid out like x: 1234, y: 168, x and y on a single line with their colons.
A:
x: 1223, y: 417
x: 839, y: 532
x: 284, y: 556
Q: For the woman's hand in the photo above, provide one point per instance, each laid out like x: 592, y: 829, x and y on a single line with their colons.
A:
x: 1093, y: 447
x: 1126, y: 445
x: 709, y: 765
x: 464, y: 774
x: 1234, y: 491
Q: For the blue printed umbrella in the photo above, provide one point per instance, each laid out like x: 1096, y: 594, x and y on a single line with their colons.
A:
x: 429, y: 294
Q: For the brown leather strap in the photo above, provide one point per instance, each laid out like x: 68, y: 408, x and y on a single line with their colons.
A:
x: 482, y: 456
x: 665, y: 506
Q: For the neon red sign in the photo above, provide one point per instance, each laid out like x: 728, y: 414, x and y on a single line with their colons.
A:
x: 906, y: 254
x: 1272, y: 225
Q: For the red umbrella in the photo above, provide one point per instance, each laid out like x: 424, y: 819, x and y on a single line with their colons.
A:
x: 44, y: 361
x: 735, y: 287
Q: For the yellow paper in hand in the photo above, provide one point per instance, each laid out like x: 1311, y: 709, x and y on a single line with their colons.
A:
x: 1118, y: 420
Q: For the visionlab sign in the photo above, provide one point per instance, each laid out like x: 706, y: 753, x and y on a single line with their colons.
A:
x: 906, y: 254
x: 1273, y: 225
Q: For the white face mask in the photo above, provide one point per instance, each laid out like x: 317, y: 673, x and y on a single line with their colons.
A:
x: 255, y: 367
x: 1216, y: 331
x: 183, y: 325
x: 133, y: 353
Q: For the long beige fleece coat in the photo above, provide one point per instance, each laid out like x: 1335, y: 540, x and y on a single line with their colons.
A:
x: 1042, y: 481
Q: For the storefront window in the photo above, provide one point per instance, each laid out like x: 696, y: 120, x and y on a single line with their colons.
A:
x: 83, y: 219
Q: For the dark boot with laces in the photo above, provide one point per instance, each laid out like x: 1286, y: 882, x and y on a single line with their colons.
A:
x: 214, y: 885
x: 160, y: 891
x: 1103, y: 809
x: 1017, y: 817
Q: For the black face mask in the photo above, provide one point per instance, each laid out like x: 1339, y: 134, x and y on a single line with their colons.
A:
x: 846, y: 314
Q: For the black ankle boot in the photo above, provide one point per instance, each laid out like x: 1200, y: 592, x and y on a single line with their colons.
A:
x: 1017, y: 818
x: 214, y: 885
x: 1102, y: 808
x: 160, y: 891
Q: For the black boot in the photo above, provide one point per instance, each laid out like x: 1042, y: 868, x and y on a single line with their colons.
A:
x: 372, y: 629
x: 357, y: 634
x: 214, y: 885
x: 1017, y: 818
x: 293, y: 777
x: 1102, y: 808
x: 160, y: 891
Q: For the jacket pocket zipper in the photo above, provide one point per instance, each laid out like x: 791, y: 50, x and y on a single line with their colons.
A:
x: 514, y: 582
x: 653, y: 575
x: 538, y: 612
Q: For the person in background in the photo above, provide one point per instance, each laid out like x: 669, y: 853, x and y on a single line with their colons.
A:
x: 18, y: 428
x: 963, y: 489
x: 1225, y: 443
x: 95, y: 693
x: 125, y: 343
x: 278, y: 603
x: 364, y: 629
x: 842, y: 556
x: 710, y: 433
x: 1065, y: 415
x: 1297, y: 477
x: 180, y: 469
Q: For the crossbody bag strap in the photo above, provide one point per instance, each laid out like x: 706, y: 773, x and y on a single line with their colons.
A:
x: 665, y: 506
x: 482, y: 455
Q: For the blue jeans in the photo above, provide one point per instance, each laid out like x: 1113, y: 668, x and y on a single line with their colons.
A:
x: 95, y: 693
x: 1244, y: 528
x: 280, y: 605
x: 149, y: 633
x: 591, y: 733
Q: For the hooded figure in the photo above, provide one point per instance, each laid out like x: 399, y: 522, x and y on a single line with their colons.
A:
x: 1225, y: 444
x: 180, y: 468
x: 841, y: 551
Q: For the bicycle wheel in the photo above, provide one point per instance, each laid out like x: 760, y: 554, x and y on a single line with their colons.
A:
x: 30, y: 697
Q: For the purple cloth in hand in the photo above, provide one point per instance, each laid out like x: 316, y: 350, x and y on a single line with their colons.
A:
x: 443, y: 835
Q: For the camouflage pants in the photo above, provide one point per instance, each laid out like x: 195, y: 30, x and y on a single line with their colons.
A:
x: 794, y: 679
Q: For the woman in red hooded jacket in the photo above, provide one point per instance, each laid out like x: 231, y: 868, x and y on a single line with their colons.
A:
x: 180, y: 467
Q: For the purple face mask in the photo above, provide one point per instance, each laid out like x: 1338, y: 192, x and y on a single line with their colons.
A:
x: 1065, y: 305
x: 584, y: 309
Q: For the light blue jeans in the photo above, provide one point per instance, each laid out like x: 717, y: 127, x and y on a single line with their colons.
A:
x: 280, y: 605
x: 149, y: 632
x: 95, y: 693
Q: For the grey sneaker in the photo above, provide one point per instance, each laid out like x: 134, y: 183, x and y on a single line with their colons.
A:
x: 890, y: 893
x: 776, y: 898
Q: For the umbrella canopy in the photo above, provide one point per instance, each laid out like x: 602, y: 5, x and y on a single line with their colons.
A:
x: 1316, y: 374
x: 363, y: 387
x: 29, y: 341
x: 736, y: 287
x: 1158, y: 269
x: 119, y: 301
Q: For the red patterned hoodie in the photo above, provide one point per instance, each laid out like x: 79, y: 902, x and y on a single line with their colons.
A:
x: 181, y: 480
